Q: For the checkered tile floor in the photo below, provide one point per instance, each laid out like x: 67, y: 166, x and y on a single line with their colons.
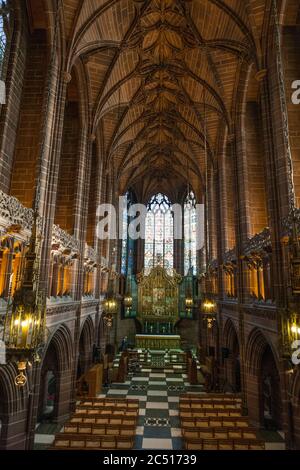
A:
x: 158, y: 423
x: 158, y: 392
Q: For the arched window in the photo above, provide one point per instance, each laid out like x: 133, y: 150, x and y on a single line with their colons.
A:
x: 190, y: 234
x: 4, y: 17
x: 4, y: 28
x: 127, y: 252
x: 159, y: 233
x: 124, y: 222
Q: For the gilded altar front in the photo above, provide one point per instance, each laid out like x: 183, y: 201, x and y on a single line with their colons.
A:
x: 158, y: 300
x: 158, y: 342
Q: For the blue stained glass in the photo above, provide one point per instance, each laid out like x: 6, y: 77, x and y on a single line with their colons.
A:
x: 159, y: 233
x: 190, y: 234
x: 4, y: 15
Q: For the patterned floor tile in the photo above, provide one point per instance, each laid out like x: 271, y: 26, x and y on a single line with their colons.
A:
x: 157, y: 405
x: 157, y: 413
x: 117, y: 391
x: 157, y: 393
x: 164, y: 444
x: 158, y: 422
x: 173, y: 399
x: 157, y: 433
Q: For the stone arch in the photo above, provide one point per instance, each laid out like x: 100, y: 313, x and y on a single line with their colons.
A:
x: 13, y: 402
x: 232, y: 366
x: 55, y: 376
x: 86, y: 344
x: 263, y: 381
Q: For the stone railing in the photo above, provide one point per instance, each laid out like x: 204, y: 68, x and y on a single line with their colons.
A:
x: 90, y: 254
x: 288, y: 222
x: 229, y: 256
x: 260, y: 243
x: 13, y: 213
x: 64, y: 240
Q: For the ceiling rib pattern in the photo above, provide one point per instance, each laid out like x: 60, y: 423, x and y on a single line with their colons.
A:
x: 162, y: 78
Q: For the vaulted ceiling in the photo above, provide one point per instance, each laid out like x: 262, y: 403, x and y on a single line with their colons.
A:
x: 162, y: 78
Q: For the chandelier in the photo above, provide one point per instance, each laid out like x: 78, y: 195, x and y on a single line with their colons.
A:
x: 25, y: 321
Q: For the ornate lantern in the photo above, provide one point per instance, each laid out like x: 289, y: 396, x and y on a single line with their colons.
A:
x: 189, y: 302
x: 209, y: 312
x: 110, y: 306
x: 25, y: 321
x: 128, y: 300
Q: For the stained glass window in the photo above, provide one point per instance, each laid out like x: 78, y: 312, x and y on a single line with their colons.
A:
x: 190, y: 234
x: 159, y: 233
x: 124, y: 222
x: 128, y: 244
x: 3, y: 31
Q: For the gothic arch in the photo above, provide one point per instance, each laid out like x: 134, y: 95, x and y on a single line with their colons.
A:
x: 55, y: 374
x: 232, y: 366
x: 264, y: 385
x: 256, y: 345
x: 63, y: 343
x: 230, y: 334
x: 86, y: 343
x: 13, y: 401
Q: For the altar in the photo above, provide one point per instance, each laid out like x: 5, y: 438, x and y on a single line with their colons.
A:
x: 158, y: 309
x: 157, y: 342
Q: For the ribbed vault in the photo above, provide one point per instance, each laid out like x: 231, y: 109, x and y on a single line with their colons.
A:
x: 162, y: 79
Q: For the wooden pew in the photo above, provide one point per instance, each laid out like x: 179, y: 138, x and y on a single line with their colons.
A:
x: 224, y: 444
x: 99, y: 429
x: 204, y: 412
x: 87, y: 442
x: 219, y: 433
x: 105, y: 410
x: 110, y: 402
x: 199, y: 404
x: 109, y: 419
x: 210, y: 396
x: 215, y: 422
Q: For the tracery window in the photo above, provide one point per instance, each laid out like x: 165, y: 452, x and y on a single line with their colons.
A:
x: 159, y: 233
x: 4, y: 18
x: 124, y: 222
x: 190, y: 234
x: 127, y: 251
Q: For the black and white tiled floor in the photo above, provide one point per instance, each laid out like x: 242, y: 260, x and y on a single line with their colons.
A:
x: 158, y: 391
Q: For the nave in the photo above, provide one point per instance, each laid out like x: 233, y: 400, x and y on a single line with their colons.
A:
x: 149, y: 199
x: 172, y: 415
